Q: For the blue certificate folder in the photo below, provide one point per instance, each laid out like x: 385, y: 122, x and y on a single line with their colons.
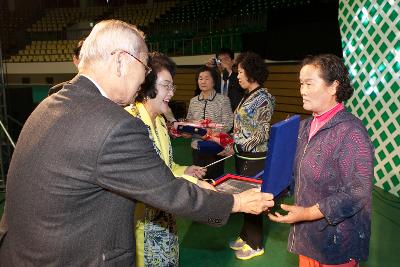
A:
x: 278, y: 170
x: 191, y: 130
x: 209, y: 147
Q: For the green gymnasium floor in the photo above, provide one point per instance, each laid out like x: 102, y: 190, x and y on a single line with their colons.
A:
x: 201, y: 245
x: 205, y: 246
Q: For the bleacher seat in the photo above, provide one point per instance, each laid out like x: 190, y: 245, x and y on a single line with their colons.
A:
x: 174, y: 27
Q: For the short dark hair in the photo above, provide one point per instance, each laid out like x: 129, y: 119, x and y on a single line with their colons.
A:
x: 332, y: 69
x: 226, y: 51
x: 157, y: 62
x: 214, y: 76
x: 254, y: 66
x: 78, y: 47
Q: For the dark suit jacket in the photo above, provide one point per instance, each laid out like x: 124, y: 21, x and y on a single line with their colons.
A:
x: 56, y: 88
x: 235, y: 92
x: 80, y: 162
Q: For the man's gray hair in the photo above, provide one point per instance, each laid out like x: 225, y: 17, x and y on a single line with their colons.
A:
x: 108, y: 36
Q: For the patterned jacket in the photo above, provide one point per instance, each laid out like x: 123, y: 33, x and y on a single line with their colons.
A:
x: 252, y: 121
x: 334, y: 169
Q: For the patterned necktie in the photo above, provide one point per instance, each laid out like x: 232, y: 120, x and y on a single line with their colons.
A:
x: 225, y: 88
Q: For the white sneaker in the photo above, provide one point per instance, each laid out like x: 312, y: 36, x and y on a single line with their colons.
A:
x: 237, y: 244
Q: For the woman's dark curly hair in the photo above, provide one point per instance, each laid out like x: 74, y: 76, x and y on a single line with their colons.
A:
x: 332, y: 69
x: 254, y: 66
x: 157, y: 62
x: 214, y: 76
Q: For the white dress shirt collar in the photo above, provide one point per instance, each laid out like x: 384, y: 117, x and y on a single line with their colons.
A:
x: 102, y: 92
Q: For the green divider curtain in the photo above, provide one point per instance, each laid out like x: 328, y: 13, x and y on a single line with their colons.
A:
x: 39, y: 92
x: 370, y: 31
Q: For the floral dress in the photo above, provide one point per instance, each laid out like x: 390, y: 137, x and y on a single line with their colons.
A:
x: 157, y: 241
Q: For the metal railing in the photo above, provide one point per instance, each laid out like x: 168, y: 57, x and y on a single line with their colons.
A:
x: 197, y: 45
x: 5, y: 139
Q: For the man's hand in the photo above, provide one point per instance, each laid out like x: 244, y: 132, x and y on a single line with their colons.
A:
x: 296, y: 214
x: 196, y: 171
x: 210, y: 62
x: 252, y: 201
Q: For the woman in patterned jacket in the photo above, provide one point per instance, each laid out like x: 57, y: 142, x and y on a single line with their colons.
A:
x: 251, y: 133
x: 155, y: 230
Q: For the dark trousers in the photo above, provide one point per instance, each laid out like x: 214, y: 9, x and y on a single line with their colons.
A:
x: 252, y: 229
x: 203, y: 159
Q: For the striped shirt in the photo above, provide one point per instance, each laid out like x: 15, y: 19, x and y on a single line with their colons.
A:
x: 216, y: 107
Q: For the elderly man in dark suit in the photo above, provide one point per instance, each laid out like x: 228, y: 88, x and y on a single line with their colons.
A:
x: 81, y: 161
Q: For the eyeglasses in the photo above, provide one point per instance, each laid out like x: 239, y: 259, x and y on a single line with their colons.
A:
x: 170, y: 86
x: 146, y: 68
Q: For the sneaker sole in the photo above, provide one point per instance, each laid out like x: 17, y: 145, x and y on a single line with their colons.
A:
x: 251, y: 256
x: 237, y: 248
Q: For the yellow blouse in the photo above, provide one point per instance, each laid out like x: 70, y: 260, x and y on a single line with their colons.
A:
x: 160, y: 137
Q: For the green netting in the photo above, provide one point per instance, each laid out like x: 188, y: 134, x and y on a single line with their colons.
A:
x: 370, y: 32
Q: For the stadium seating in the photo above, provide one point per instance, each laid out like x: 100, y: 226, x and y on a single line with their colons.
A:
x: 142, y: 14
x: 176, y: 28
x: 45, y: 51
x: 57, y: 19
